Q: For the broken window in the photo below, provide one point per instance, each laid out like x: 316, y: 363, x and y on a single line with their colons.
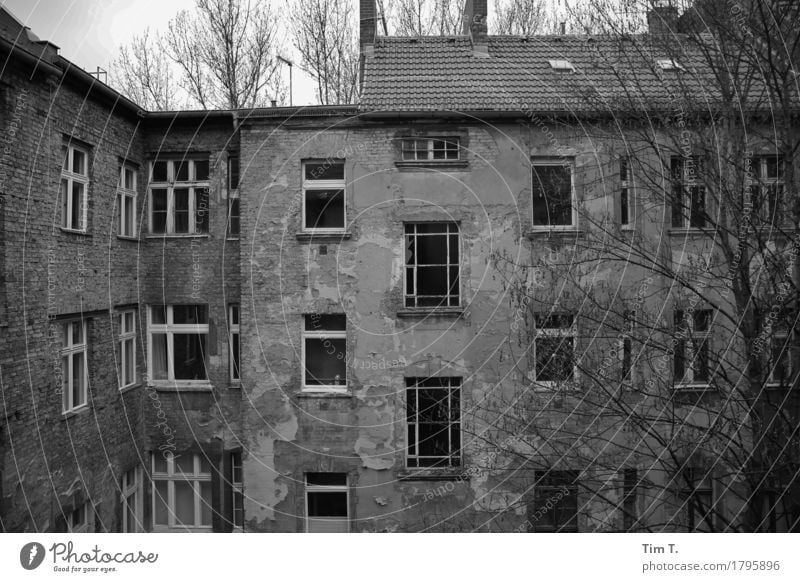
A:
x: 325, y: 352
x: 553, y: 195
x: 691, y: 365
x: 181, y: 492
x: 554, y: 347
x: 132, y: 504
x: 323, y: 196
x: 177, y: 346
x: 179, y: 201
x: 433, y: 415
x: 74, y: 364
x: 688, y: 192
x: 630, y: 483
x: 327, y: 503
x: 233, y: 330
x: 432, y: 265
x: 126, y: 323
x: 699, y: 499
x: 555, y: 502
x: 430, y: 149
x: 74, y: 188
x: 126, y: 200
x: 233, y: 197
x: 767, y: 190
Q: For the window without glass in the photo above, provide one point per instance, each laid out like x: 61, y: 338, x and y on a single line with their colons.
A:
x: 323, y: 196
x: 126, y: 322
x: 325, y: 352
x: 438, y: 149
x: 74, y: 364
x: 553, y: 195
x: 327, y: 503
x: 692, y: 329
x: 179, y: 197
x: 233, y: 197
x: 178, y: 339
x: 126, y: 201
x: 688, y: 193
x: 132, y: 500
x: 554, y: 347
x: 767, y: 190
x: 555, y: 504
x: 233, y: 340
x: 432, y: 265
x: 433, y: 417
x: 74, y: 188
x: 181, y: 492
x: 699, y: 499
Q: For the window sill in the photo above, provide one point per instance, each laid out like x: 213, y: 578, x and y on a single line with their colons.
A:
x: 323, y: 237
x: 323, y: 394
x: 177, y: 386
x: 566, y: 232
x: 691, y: 387
x: 232, y: 238
x: 449, y: 474
x: 686, y: 231
x: 177, y: 235
x: 409, y: 165
x: 133, y: 386
x: 128, y: 238
x: 75, y: 411
x: 409, y: 312
x: 73, y: 231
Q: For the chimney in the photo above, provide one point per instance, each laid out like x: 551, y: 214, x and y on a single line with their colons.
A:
x: 662, y: 18
x: 368, y: 25
x: 475, y: 25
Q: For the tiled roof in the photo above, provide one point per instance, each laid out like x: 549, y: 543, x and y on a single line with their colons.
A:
x: 436, y: 73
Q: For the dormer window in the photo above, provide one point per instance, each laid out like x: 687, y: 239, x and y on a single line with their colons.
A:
x: 669, y: 65
x: 561, y: 66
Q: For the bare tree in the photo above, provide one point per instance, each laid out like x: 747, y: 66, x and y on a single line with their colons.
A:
x: 523, y: 17
x: 144, y: 74
x: 326, y: 38
x: 425, y: 17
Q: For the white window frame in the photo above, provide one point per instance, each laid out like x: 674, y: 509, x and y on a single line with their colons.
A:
x: 123, y: 194
x: 82, y: 524
x: 171, y: 477
x: 564, y: 163
x: 71, y: 177
x: 555, y: 332
x: 455, y: 384
x: 327, y: 489
x: 687, y: 184
x: 133, y: 495
x: 626, y: 187
x: 234, y: 336
x: 691, y: 337
x: 453, y: 228
x: 70, y: 351
x: 192, y: 184
x: 321, y: 334
x: 170, y: 329
x: 410, y: 150
x: 126, y: 324
x: 309, y: 184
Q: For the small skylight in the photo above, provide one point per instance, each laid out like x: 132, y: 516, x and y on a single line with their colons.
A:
x: 669, y: 65
x: 562, y: 65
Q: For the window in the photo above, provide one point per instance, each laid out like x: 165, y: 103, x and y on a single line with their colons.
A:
x: 768, y: 188
x: 554, y: 348
x: 432, y: 265
x: 237, y: 490
x: 327, y: 503
x: 323, y: 196
x: 177, y: 346
x: 132, y: 500
x: 127, y: 348
x: 436, y: 149
x: 780, y: 358
x: 691, y: 365
x: 561, y: 66
x: 181, y: 492
x: 625, y: 348
x: 179, y: 197
x: 74, y: 188
x: 233, y: 197
x: 433, y: 416
x: 553, y: 195
x: 699, y: 500
x: 78, y: 519
x: 233, y: 330
x: 625, y: 195
x: 555, y: 502
x: 126, y: 199
x: 630, y: 482
x: 75, y: 376
x: 325, y: 352
x: 688, y: 193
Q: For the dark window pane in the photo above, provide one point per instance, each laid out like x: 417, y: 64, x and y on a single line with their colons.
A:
x: 326, y: 322
x: 159, y: 210
x: 327, y: 504
x: 181, y: 210
x: 432, y: 281
x: 189, y: 314
x: 233, y: 172
x: 201, y: 212
x: 324, y: 208
x: 432, y: 227
x: 554, y: 359
x: 159, y: 314
x: 233, y: 217
x: 190, y: 351
x: 326, y: 362
x: 182, y: 171
x: 327, y: 479
x: 184, y: 503
x: 700, y: 364
x: 235, y: 350
x: 552, y: 196
x: 201, y: 170
x: 431, y: 250
x: 161, y: 499
x: 160, y: 172
x: 679, y: 362
x: 433, y: 440
x: 623, y: 206
x: 324, y: 171
x: 698, y: 209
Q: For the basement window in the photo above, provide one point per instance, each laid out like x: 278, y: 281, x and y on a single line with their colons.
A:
x: 561, y: 66
x: 436, y: 149
x: 181, y: 492
x: 555, y: 502
x: 179, y: 197
x: 324, y: 197
x: 325, y: 353
x: 554, y: 204
x: 75, y: 376
x: 178, y: 337
x: 126, y: 201
x: 432, y: 265
x: 74, y: 188
x: 327, y: 503
x: 433, y: 422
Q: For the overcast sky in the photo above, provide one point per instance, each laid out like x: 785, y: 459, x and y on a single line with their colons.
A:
x: 89, y: 32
